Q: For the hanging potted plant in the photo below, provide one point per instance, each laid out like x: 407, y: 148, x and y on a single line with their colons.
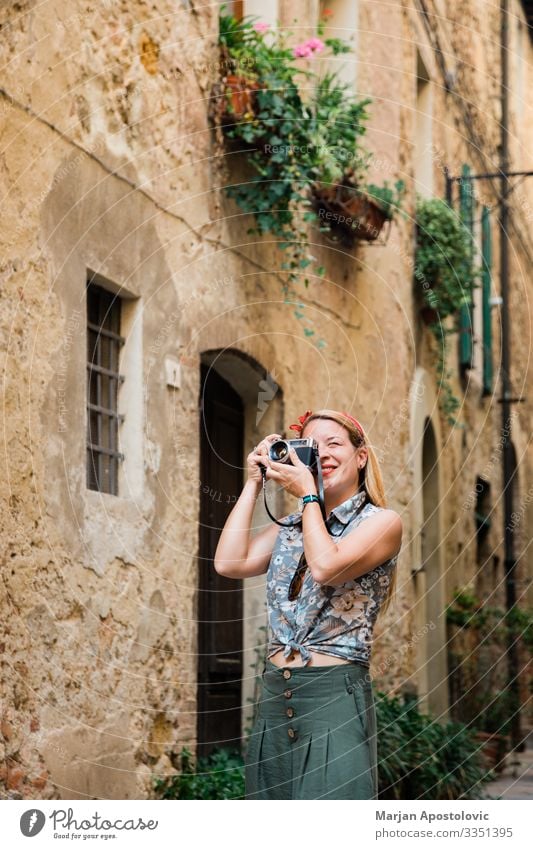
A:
x: 302, y: 132
x: 240, y: 100
x: 348, y: 208
x: 249, y: 63
x: 445, y: 277
x: 234, y: 95
x: 357, y: 213
x: 444, y: 272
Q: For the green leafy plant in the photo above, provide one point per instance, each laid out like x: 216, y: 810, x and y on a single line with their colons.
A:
x: 300, y: 130
x: 444, y: 257
x: 493, y: 712
x: 520, y: 624
x: 482, y: 701
x: 389, y: 197
x: 446, y: 276
x: 220, y: 775
x: 419, y: 758
x: 448, y: 401
x: 467, y: 611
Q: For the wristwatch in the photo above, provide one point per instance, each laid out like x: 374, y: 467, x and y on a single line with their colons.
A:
x: 307, y: 499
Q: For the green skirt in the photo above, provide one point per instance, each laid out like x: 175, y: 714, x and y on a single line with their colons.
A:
x: 314, y: 736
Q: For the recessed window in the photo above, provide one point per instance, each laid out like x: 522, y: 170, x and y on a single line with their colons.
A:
x: 104, y: 343
x: 482, y: 518
x: 423, y: 148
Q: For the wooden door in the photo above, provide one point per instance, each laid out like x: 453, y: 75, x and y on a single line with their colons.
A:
x: 220, y: 600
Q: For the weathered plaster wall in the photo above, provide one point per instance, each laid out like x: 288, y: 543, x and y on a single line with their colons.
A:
x: 98, y: 592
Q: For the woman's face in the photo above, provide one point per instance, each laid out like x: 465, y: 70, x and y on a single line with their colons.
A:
x: 340, y: 460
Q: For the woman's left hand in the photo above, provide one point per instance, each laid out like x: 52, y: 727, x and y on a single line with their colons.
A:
x: 297, y: 479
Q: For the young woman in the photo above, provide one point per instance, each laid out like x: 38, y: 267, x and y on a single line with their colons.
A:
x: 315, y: 732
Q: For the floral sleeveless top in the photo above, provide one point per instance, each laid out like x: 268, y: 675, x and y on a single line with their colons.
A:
x: 337, y: 621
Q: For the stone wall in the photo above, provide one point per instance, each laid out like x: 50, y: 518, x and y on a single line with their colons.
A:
x: 110, y: 165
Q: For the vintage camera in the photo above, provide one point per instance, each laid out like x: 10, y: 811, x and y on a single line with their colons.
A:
x: 306, y: 449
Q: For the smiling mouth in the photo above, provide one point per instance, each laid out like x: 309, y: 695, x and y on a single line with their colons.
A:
x: 327, y: 470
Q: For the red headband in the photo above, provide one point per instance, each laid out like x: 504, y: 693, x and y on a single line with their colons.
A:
x: 303, y: 419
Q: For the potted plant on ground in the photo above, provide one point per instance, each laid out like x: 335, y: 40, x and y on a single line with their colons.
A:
x: 492, y: 726
x: 478, y: 683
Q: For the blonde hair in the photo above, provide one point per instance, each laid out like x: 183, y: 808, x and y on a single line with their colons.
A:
x: 370, y: 475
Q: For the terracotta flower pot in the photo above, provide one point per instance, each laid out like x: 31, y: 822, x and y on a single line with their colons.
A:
x: 349, y: 212
x: 240, y: 96
x: 494, y: 748
x: 370, y: 214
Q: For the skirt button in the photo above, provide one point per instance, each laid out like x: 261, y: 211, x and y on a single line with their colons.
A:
x: 287, y: 673
x: 287, y: 694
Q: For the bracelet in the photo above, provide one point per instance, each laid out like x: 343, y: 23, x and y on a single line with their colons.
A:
x: 308, y: 499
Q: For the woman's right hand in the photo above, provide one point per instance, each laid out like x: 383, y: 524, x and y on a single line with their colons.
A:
x: 258, y: 455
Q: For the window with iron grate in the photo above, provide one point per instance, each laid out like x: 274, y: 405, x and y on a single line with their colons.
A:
x: 104, y: 343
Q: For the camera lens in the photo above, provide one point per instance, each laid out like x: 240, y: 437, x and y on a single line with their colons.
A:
x: 279, y: 451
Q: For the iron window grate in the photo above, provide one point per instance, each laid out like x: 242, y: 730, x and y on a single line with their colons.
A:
x: 103, y: 379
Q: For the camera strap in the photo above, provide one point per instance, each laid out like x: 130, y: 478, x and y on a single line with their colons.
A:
x: 320, y: 487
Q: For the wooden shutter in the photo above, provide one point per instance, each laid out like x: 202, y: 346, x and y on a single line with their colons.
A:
x: 236, y: 8
x: 486, y: 279
x: 466, y: 207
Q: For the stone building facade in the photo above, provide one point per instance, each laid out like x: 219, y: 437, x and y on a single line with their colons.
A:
x: 112, y: 177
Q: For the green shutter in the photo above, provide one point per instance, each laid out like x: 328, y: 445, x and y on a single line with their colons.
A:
x: 486, y: 278
x: 466, y: 202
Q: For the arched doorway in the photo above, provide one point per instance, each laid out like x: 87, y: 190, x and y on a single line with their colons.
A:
x: 435, y: 643
x: 240, y: 402
x: 427, y: 565
x: 219, y: 599
x: 515, y: 663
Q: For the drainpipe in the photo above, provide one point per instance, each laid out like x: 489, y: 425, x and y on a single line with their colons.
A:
x: 506, y: 399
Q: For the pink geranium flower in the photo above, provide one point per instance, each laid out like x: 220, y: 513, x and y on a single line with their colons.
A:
x: 302, y: 51
x: 316, y: 44
x: 312, y: 45
x: 261, y: 27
